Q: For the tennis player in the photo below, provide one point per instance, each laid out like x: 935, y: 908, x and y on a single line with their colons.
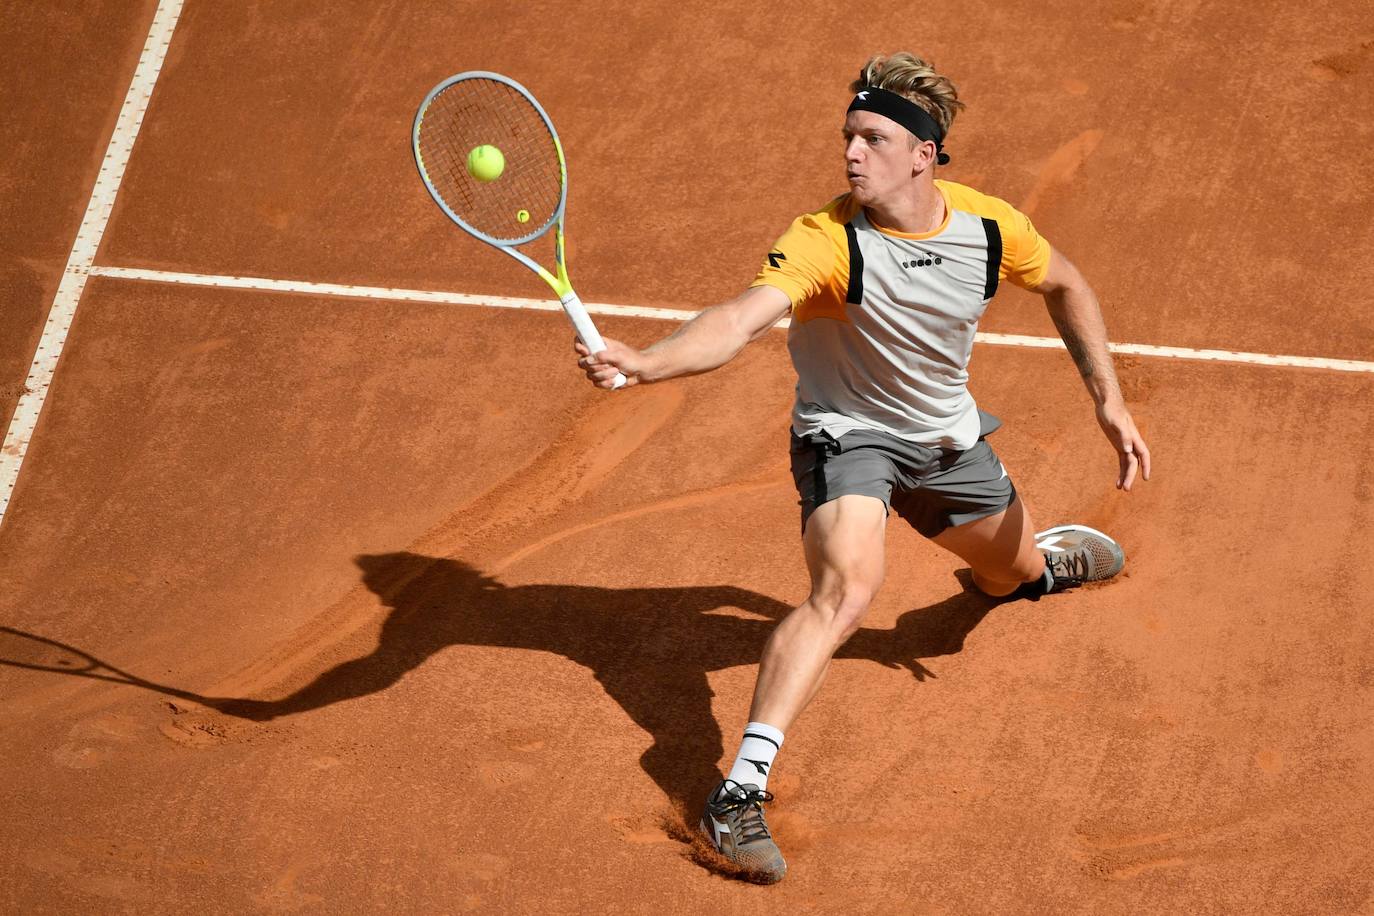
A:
x: 885, y: 286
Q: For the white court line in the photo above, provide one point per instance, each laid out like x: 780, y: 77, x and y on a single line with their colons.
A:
x: 549, y: 305
x: 88, y: 237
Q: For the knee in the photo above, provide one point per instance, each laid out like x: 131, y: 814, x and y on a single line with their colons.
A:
x: 843, y: 604
x: 1029, y: 567
x: 1026, y: 568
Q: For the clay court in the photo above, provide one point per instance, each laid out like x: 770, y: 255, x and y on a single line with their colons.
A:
x: 338, y: 589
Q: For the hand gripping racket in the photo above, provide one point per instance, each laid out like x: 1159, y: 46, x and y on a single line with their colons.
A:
x: 525, y: 199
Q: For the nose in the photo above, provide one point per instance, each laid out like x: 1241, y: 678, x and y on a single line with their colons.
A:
x: 852, y: 149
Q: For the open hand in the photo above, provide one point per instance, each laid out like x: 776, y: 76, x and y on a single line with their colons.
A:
x: 1131, y: 450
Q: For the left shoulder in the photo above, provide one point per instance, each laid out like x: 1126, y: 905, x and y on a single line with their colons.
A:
x: 962, y: 197
x: 1025, y: 253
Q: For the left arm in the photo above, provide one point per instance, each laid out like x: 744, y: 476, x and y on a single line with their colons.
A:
x: 1073, y: 307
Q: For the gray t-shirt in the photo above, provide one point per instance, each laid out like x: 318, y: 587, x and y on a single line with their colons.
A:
x: 883, y: 322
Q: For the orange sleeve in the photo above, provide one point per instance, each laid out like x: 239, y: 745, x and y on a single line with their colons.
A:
x: 1025, y: 253
x: 801, y: 262
x: 810, y: 263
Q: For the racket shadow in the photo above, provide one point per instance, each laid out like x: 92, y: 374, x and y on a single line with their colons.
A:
x: 650, y: 648
x: 30, y: 651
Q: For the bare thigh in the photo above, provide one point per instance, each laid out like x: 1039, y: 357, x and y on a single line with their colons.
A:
x: 999, y: 548
x: 844, y: 543
x: 844, y: 552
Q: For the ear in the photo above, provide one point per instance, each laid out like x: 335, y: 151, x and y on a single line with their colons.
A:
x: 922, y: 157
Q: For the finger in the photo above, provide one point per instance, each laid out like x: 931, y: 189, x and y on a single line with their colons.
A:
x: 609, y: 383
x: 1128, y: 463
x: 1144, y: 459
x: 580, y: 348
x: 603, y: 373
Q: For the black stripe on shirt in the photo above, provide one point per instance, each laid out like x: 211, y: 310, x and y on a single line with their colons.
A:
x: 994, y: 234
x: 855, y: 294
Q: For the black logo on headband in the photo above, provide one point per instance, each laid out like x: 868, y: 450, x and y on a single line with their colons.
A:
x: 905, y: 112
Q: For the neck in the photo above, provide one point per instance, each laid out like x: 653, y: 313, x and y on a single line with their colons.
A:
x: 918, y: 209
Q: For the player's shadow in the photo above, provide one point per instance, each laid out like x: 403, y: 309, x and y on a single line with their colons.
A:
x: 650, y: 648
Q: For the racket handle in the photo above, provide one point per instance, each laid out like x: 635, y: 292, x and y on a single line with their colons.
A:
x: 582, y: 323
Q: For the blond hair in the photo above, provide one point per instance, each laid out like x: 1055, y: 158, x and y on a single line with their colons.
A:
x: 913, y: 79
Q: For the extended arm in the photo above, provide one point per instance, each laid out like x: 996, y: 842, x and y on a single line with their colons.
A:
x: 1073, y: 307
x: 710, y: 340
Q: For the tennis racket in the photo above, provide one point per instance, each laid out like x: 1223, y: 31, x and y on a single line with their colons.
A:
x: 527, y: 198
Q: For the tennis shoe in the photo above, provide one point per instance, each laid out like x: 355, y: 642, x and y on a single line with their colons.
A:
x: 1075, y: 554
x: 733, y: 822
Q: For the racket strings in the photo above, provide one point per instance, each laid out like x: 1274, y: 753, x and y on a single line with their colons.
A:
x: 26, y: 650
x: 475, y: 112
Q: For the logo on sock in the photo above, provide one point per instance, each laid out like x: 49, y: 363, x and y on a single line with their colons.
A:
x: 759, y: 765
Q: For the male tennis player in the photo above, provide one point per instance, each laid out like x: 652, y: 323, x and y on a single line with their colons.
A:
x: 885, y: 286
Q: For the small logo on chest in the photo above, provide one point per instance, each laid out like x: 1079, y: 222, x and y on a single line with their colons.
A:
x: 924, y: 259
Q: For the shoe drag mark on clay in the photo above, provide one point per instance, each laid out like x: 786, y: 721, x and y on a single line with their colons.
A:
x: 594, y: 445
x: 477, y: 876
x: 640, y: 828
x: 1061, y: 167
x: 574, y: 465
x: 1120, y: 856
x: 1343, y: 63
x: 94, y: 741
x: 284, y: 895
x: 685, y: 501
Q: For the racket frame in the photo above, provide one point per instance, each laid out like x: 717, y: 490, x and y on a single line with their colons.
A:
x: 558, y: 282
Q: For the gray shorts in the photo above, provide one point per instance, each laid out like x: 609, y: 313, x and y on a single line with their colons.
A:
x: 931, y: 488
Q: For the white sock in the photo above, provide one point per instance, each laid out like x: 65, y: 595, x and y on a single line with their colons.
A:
x: 756, y: 752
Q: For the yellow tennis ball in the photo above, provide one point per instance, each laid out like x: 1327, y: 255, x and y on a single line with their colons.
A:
x: 523, y: 216
x: 486, y: 163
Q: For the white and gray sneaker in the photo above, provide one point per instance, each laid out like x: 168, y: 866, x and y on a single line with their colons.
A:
x: 1075, y: 554
x: 733, y: 822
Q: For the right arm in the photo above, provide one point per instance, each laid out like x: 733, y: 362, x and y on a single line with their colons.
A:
x: 710, y: 340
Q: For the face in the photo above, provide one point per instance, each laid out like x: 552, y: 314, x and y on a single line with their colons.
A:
x: 879, y: 156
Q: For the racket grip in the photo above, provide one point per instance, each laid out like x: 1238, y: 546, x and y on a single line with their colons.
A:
x: 586, y: 331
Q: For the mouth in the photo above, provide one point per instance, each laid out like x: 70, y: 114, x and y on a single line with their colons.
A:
x: 853, y: 178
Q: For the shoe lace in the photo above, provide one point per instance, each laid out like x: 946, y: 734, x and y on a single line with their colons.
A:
x: 1069, y: 567
x: 746, y: 804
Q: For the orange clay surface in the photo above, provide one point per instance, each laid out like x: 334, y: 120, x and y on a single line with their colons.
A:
x: 395, y: 612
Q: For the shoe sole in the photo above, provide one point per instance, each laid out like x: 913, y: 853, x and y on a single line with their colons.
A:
x: 732, y: 868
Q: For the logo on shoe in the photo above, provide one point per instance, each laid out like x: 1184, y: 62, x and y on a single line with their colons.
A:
x: 1054, y: 542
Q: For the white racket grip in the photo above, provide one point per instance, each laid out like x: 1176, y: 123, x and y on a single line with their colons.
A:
x: 582, y: 323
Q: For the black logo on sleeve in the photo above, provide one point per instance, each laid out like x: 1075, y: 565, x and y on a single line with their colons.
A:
x: 775, y: 258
